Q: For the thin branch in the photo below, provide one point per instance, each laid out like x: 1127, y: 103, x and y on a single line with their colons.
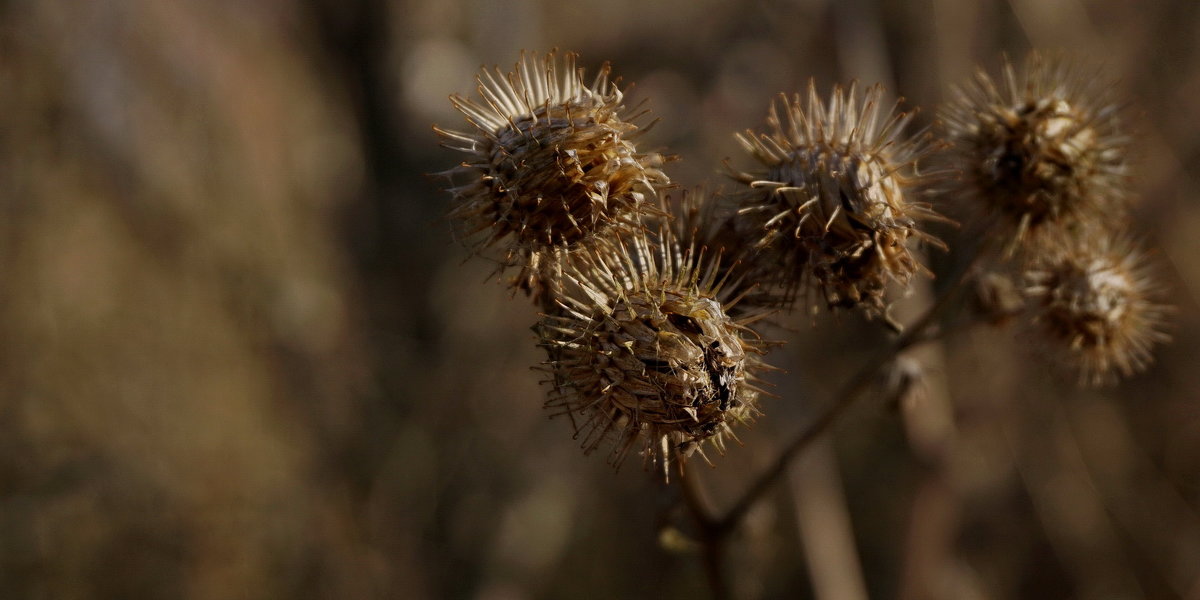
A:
x: 696, y: 499
x: 823, y: 523
x: 712, y: 539
x: 848, y: 394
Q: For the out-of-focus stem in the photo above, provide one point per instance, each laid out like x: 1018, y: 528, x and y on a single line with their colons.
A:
x: 714, y: 528
x: 825, y: 529
x: 929, y: 421
x: 712, y: 540
x: 849, y: 393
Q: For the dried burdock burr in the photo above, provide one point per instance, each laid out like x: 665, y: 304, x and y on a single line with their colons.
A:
x: 551, y: 165
x: 1040, y: 151
x: 835, y: 205
x: 1094, y: 303
x: 644, y: 354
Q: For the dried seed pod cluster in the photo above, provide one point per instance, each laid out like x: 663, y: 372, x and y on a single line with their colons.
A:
x: 648, y: 301
x: 642, y: 349
x: 1041, y: 157
x: 1040, y: 152
x: 551, y: 164
x: 645, y: 352
x: 835, y: 200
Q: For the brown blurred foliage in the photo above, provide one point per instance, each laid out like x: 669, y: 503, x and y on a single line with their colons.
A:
x: 242, y: 357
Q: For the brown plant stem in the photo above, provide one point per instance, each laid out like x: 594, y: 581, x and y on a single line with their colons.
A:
x: 934, y: 517
x: 823, y: 522
x: 714, y: 529
x: 849, y: 393
x: 712, y: 539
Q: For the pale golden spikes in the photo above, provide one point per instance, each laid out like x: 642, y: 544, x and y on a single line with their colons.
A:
x: 551, y: 165
x: 835, y: 203
x: 708, y: 221
x: 1094, y: 303
x: 1040, y: 153
x: 644, y: 354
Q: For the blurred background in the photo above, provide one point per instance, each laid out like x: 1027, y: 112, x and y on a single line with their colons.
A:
x: 243, y: 358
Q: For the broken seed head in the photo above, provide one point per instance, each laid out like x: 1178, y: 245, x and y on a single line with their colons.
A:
x: 644, y: 354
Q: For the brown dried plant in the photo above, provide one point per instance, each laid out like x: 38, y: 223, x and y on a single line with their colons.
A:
x: 709, y: 220
x: 644, y: 352
x: 551, y: 165
x: 648, y: 299
x: 1041, y: 151
x: 836, y: 203
x: 1095, y: 304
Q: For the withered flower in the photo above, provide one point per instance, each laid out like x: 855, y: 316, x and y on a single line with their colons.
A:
x: 1094, y: 303
x: 1041, y: 151
x: 551, y: 164
x: 643, y: 352
x: 836, y: 201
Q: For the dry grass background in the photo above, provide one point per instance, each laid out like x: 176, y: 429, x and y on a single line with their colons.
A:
x: 243, y: 359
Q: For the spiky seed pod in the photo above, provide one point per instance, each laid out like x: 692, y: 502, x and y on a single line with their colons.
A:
x: 644, y: 353
x: 1038, y: 152
x: 836, y: 200
x: 1094, y: 303
x: 551, y: 164
x: 708, y: 220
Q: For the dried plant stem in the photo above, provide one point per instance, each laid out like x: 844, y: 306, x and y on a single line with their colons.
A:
x: 935, y: 512
x: 825, y: 530
x: 850, y: 392
x: 714, y: 529
x: 927, y: 410
x: 712, y: 539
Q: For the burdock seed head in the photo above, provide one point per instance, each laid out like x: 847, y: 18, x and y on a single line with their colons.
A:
x: 1094, y: 304
x: 550, y: 164
x: 1038, y: 152
x: 644, y: 354
x: 835, y: 201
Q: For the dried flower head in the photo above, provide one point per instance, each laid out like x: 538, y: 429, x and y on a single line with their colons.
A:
x: 1094, y: 303
x: 550, y: 164
x: 644, y: 352
x: 1040, y: 151
x: 835, y: 202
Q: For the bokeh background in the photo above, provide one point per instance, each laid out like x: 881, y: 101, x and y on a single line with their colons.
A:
x: 241, y: 356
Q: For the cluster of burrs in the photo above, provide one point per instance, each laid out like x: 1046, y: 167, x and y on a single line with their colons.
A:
x: 650, y: 300
x: 1041, y: 158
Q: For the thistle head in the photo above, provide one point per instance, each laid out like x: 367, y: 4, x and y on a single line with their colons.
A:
x: 644, y: 353
x: 1040, y: 151
x: 550, y: 164
x: 1094, y: 304
x: 834, y: 201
